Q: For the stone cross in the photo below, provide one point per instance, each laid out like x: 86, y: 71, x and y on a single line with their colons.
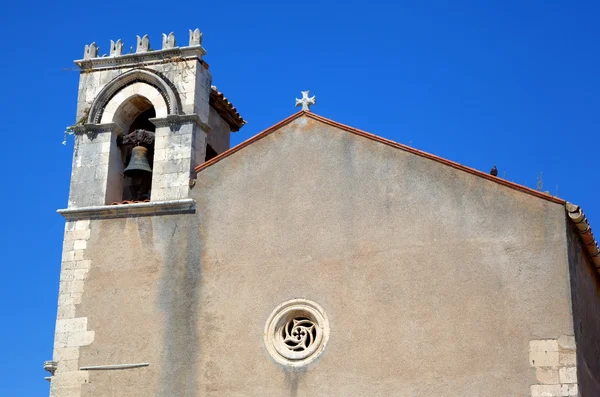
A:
x: 305, y: 102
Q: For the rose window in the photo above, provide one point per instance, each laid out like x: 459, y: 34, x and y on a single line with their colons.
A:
x: 296, y: 332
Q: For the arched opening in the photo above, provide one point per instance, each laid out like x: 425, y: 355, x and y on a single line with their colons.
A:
x: 136, y: 147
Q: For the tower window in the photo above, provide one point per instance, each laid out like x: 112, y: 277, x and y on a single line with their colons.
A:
x: 137, y: 153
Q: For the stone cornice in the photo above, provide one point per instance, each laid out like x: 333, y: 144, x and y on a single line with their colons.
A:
x: 175, y: 120
x: 183, y: 206
x: 90, y: 128
x: 148, y: 57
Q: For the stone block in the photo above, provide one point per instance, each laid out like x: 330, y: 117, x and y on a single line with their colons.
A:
x: 160, y: 142
x: 69, y: 365
x: 544, y: 359
x: 64, y: 287
x: 570, y: 390
x: 82, y: 224
x: 66, y: 353
x: 68, y: 244
x: 82, y: 338
x: 546, y: 391
x: 566, y: 342
x: 81, y: 234
x: 78, y: 255
x: 77, y: 287
x: 67, y: 275
x: 65, y: 311
x: 83, y: 264
x: 69, y: 226
x: 573, y: 390
x: 71, y: 325
x: 79, y: 244
x: 61, y: 339
x: 545, y: 345
x: 74, y: 391
x: 568, y: 374
x: 547, y: 376
x: 543, y: 354
x: 567, y: 359
x: 80, y: 274
x: 101, y: 172
x: 160, y: 155
x: 76, y: 297
x: 69, y: 379
x: 68, y: 256
x: 159, y: 194
x: 69, y: 265
x: 65, y: 299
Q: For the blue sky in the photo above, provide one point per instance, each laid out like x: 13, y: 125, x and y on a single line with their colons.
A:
x: 512, y: 83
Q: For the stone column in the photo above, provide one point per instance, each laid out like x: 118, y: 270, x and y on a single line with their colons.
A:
x: 180, y: 141
x: 97, y: 166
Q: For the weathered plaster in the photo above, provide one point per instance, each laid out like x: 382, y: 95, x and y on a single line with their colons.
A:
x: 434, y: 281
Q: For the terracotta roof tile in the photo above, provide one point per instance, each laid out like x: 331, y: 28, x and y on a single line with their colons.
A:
x: 226, y: 109
x: 585, y: 232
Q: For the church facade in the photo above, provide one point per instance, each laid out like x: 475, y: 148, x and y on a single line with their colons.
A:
x: 314, y: 259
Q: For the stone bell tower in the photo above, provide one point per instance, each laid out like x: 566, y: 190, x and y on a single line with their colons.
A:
x: 167, y: 91
x: 145, y: 120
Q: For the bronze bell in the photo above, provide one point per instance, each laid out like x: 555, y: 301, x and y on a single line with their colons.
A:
x: 138, y: 164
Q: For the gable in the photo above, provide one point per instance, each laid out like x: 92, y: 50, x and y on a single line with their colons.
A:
x: 309, y: 122
x: 383, y: 141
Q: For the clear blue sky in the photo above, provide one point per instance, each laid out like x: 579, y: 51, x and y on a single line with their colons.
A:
x: 514, y: 83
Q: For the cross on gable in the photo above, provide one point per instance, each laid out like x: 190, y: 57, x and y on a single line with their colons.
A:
x: 305, y: 102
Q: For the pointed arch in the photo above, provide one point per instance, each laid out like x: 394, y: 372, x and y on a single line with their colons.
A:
x: 164, y: 87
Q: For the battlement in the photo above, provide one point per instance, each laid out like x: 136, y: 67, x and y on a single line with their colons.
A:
x: 143, y: 52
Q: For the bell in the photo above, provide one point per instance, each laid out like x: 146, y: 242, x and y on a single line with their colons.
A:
x: 138, y: 164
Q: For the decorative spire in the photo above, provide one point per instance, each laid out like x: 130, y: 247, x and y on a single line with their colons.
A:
x: 306, y: 101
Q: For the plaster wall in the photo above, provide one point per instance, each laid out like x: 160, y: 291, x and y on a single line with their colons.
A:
x: 585, y: 288
x: 434, y: 280
x: 219, y: 135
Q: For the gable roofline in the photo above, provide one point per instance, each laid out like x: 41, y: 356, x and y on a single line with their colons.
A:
x: 384, y: 141
x: 574, y: 212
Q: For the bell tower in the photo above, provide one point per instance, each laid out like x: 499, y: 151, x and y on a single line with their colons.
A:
x: 145, y: 120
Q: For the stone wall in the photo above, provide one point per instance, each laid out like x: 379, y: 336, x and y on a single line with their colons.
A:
x: 555, y: 366
x: 585, y: 291
x: 72, y: 331
x: 434, y: 281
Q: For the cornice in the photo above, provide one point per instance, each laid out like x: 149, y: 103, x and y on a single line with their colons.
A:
x: 183, y: 206
x: 175, y: 120
x: 147, y: 57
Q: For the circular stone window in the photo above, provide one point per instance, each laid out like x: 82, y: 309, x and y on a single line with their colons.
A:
x: 296, y: 332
